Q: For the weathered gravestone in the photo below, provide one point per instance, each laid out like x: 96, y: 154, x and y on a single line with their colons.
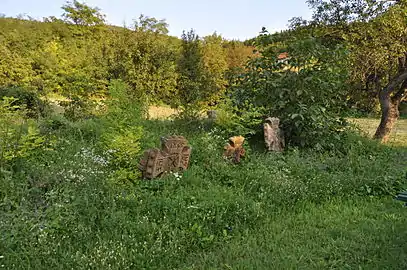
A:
x: 273, y: 135
x: 234, y: 149
x: 174, y: 156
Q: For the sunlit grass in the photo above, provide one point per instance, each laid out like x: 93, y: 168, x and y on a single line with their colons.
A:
x: 67, y: 208
x: 161, y: 112
x: 398, y: 136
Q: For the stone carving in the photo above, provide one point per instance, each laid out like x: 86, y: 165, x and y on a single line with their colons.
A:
x: 174, y: 156
x: 234, y: 149
x: 273, y: 135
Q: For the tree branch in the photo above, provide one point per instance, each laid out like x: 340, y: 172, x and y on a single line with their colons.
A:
x: 390, y: 88
x: 401, y: 93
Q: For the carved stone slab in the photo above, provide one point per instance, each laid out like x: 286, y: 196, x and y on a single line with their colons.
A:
x: 174, y: 156
x: 234, y: 149
x: 273, y: 135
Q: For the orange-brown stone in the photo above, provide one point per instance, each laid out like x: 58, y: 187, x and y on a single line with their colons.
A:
x: 234, y: 149
x: 174, y: 156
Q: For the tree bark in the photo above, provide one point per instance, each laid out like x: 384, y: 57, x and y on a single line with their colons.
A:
x: 390, y: 114
x: 390, y: 105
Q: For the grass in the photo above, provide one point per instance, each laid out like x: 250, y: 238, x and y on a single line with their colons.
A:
x: 71, y: 209
x: 398, y: 135
x: 343, y: 234
x: 161, y: 112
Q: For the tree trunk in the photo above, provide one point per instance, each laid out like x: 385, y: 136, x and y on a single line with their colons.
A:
x: 390, y: 114
x: 390, y: 105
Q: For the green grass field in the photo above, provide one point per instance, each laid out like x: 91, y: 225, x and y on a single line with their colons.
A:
x: 398, y: 135
x: 64, y: 209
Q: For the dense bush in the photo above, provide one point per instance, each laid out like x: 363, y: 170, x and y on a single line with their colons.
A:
x: 305, y: 90
x: 80, y: 60
x: 20, y: 137
x: 25, y: 99
x: 234, y: 122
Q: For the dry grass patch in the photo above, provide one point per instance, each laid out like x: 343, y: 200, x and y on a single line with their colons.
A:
x: 161, y: 112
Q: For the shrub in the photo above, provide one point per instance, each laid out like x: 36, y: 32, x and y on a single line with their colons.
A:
x: 123, y: 132
x: 77, y: 108
x: 26, y: 99
x: 305, y: 90
x: 122, y: 107
x: 234, y: 123
x: 123, y: 146
x: 19, y: 137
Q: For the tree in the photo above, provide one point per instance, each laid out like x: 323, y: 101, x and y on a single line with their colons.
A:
x: 14, y: 69
x: 82, y: 14
x: 145, y: 58
x: 151, y: 24
x: 215, y: 63
x: 77, y: 57
x: 192, y: 75
x: 237, y: 53
x: 375, y: 33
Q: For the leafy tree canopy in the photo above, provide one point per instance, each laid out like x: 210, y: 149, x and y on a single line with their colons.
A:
x: 82, y: 14
x: 151, y: 24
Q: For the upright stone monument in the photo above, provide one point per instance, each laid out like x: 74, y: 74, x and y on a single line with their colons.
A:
x: 273, y: 135
x: 173, y: 157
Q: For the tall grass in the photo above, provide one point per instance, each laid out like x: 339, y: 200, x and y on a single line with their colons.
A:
x: 65, y: 209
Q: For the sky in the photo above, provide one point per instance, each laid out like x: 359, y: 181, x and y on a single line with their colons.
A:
x: 233, y: 19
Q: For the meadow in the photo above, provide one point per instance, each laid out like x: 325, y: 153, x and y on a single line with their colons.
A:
x: 368, y: 127
x: 69, y: 208
x: 81, y: 100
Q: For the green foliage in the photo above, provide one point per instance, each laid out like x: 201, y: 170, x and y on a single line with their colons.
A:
x: 210, y: 215
x: 14, y: 68
x: 79, y: 61
x: 123, y: 107
x: 234, y: 123
x: 190, y: 85
x: 215, y: 61
x: 121, y: 140
x: 306, y: 90
x: 20, y: 137
x: 146, y: 61
x: 151, y: 24
x: 81, y: 14
x: 77, y: 108
x: 53, y: 58
x: 123, y: 147
x: 371, y: 31
x: 83, y: 205
x: 202, y: 68
x: 78, y: 56
x: 25, y: 99
x: 237, y: 54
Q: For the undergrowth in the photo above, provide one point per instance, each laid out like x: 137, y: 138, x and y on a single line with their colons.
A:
x: 65, y: 208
